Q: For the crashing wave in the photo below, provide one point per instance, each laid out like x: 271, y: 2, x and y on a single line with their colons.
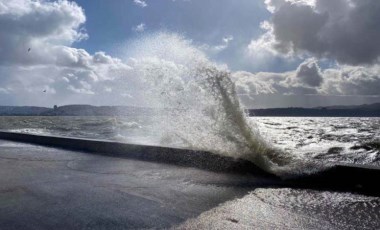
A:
x: 199, y: 105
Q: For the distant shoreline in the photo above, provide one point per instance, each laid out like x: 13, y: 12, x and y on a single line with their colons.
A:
x: 370, y: 110
x: 342, y: 111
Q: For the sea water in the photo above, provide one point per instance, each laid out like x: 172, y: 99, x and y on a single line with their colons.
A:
x: 309, y: 139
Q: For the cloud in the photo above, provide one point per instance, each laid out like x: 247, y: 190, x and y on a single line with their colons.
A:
x: 348, y: 80
x: 54, y: 72
x: 139, y: 28
x: 264, y: 44
x: 342, y: 30
x: 36, y: 53
x: 4, y: 91
x: 261, y: 52
x: 72, y: 75
x: 225, y: 43
x: 39, y: 26
x: 215, y: 49
x: 309, y: 79
x: 305, y: 80
x: 140, y: 3
x: 309, y: 74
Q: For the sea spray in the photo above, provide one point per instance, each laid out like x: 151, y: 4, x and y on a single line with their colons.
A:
x: 198, y: 104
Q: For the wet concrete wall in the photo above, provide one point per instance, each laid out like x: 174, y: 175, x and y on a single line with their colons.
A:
x: 177, y: 156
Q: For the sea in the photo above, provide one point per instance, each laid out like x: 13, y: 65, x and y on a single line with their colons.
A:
x: 325, y: 139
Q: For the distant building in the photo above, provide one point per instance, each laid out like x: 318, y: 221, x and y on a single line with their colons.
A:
x: 55, y: 107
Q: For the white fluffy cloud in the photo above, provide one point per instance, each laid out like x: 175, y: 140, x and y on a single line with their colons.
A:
x: 293, y: 82
x: 36, y: 53
x: 39, y: 26
x: 309, y: 79
x: 344, y: 30
x: 348, y: 80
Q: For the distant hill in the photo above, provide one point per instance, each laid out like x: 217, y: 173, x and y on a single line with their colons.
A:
x: 22, y: 110
x: 89, y: 110
x: 371, y: 110
x: 73, y: 110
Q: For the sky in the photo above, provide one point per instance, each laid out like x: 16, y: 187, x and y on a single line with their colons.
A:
x: 280, y: 53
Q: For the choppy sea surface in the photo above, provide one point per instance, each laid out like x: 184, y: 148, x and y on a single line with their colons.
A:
x: 325, y: 139
x: 337, y: 139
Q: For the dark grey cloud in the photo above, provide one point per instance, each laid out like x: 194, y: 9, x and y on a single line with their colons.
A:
x: 309, y: 73
x: 344, y: 30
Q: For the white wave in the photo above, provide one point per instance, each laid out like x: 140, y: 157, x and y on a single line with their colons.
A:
x: 199, y: 104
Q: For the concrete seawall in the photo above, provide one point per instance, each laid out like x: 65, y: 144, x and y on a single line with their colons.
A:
x: 176, y: 156
x: 341, y: 177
